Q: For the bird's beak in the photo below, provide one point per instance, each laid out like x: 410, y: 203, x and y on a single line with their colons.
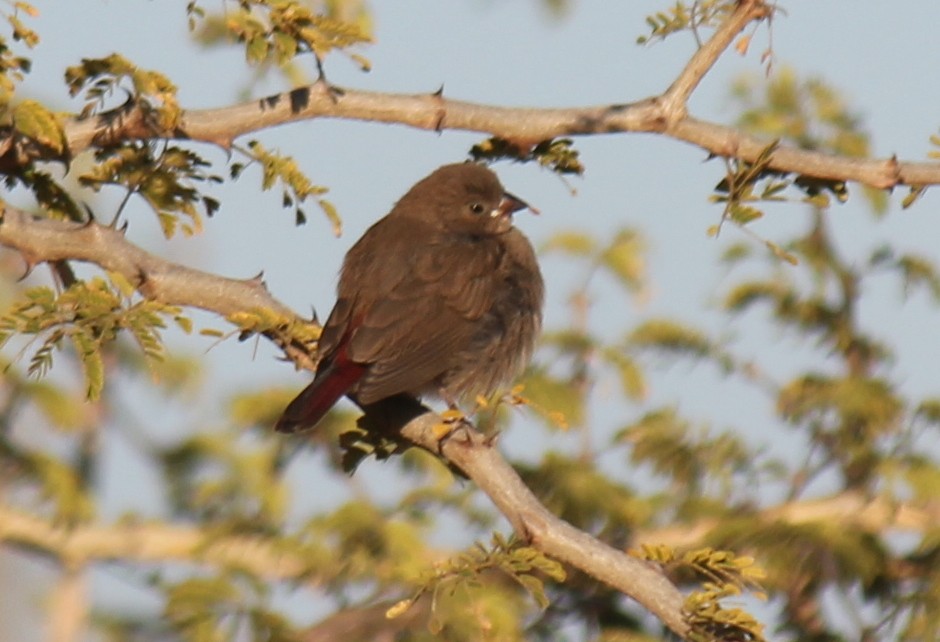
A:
x: 510, y: 204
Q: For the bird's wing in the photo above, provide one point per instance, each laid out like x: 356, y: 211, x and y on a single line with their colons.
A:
x: 411, y: 331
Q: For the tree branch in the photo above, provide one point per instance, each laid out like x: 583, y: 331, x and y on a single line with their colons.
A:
x: 68, y: 612
x: 476, y: 456
x: 150, y: 542
x: 665, y: 114
x: 875, y: 515
x: 45, y: 240
x: 677, y: 96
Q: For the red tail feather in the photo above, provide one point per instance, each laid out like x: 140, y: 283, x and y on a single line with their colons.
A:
x: 309, y: 407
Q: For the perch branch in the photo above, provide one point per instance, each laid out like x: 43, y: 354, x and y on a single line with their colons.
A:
x: 476, y: 456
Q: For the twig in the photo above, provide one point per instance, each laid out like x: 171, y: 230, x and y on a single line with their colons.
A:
x: 677, y: 96
x: 68, y: 610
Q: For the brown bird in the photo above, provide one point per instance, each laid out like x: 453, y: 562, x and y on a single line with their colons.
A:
x: 442, y: 296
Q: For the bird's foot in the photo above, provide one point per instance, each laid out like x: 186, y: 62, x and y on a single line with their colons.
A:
x: 454, y: 421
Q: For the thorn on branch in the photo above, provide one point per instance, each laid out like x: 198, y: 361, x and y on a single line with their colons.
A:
x: 441, y: 114
x: 335, y: 93
x: 894, y: 169
x: 28, y: 265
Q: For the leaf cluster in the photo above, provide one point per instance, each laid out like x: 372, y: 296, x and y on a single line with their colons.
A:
x: 225, y: 606
x: 276, y: 31
x: 216, y: 478
x: 284, y: 330
x: 87, y: 317
x: 12, y: 66
x: 164, y: 176
x: 559, y: 386
x: 150, y: 91
x: 683, y: 16
x: 810, y: 115
x: 465, y: 573
x: 725, y: 575
x: 557, y: 154
x: 297, y: 187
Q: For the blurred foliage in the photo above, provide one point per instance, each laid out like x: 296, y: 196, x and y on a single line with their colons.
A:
x: 275, y: 33
x: 720, y: 514
x: 12, y: 66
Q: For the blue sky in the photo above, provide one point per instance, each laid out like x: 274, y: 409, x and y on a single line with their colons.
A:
x: 514, y: 53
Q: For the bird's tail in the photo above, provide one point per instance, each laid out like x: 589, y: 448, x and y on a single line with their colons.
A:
x: 314, y: 401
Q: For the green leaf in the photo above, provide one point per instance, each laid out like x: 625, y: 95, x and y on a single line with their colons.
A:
x: 331, y: 214
x: 34, y: 121
x: 632, y: 381
x: 572, y: 242
x: 625, y: 259
x: 89, y: 354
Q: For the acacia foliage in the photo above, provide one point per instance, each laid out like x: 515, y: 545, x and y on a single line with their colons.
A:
x: 718, y: 513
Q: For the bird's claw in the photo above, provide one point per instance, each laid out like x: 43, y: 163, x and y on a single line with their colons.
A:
x: 453, y: 420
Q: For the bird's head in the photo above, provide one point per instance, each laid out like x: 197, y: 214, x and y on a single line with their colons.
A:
x: 465, y: 198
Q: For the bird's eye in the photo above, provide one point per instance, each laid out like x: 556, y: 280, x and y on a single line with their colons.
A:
x: 478, y: 208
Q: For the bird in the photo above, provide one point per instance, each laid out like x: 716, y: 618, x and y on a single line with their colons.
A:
x: 442, y: 297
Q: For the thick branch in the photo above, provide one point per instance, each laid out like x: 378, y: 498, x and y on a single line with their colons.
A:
x: 875, y: 515
x: 44, y: 240
x: 149, y: 542
x: 665, y: 114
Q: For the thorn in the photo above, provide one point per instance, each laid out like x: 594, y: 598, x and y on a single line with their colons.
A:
x: 441, y: 111
x: 335, y: 92
x: 28, y: 264
x: 90, y: 212
x: 314, y: 318
x: 258, y: 279
x: 123, y: 228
